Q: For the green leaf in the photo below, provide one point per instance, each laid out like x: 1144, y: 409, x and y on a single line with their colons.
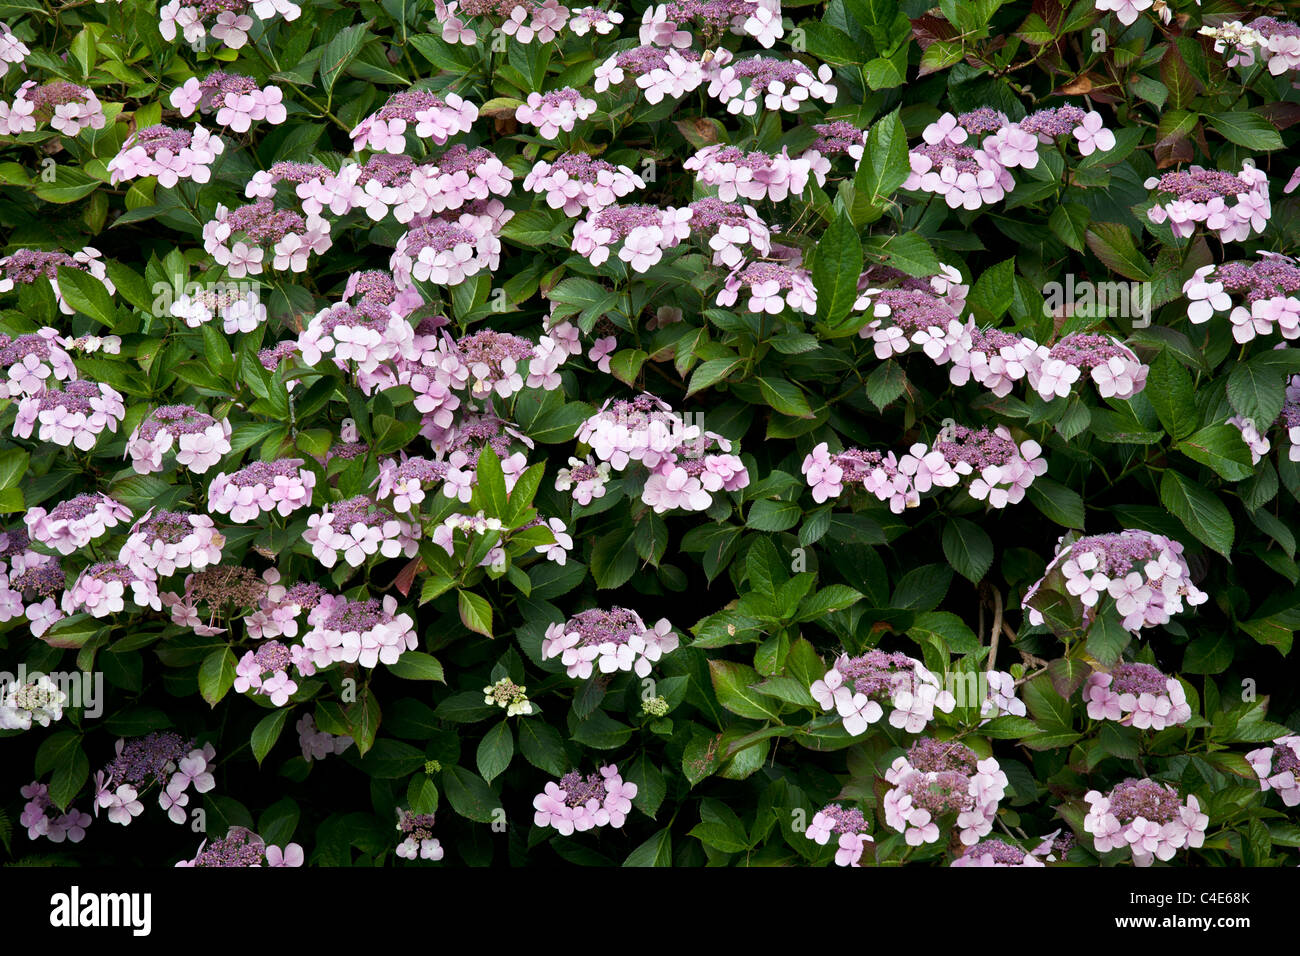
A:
x: 422, y: 794
x: 785, y: 397
x: 656, y: 851
x: 994, y: 290
x: 768, y: 515
x: 1210, y: 653
x: 946, y: 630
x: 1250, y: 130
x: 1107, y: 638
x: 1059, y: 503
x: 836, y: 269
x: 968, y: 549
x: 338, y: 53
x: 1257, y: 392
x: 417, y: 665
x: 363, y: 718
x: 1203, y: 514
x: 1050, y: 709
x: 475, y: 612
x: 1069, y: 223
x: 886, y: 384
x: 625, y: 364
x: 495, y: 751
x: 711, y: 372
x: 216, y: 675
x: 490, y: 483
x: 13, y: 465
x: 1222, y: 448
x: 601, y: 731
x: 833, y: 597
x: 614, y: 559
x: 469, y: 795
x: 883, y: 169
x: 71, y: 771
x: 543, y: 747
x: 731, y: 684
x: 1170, y: 390
x: 1113, y: 244
x: 86, y: 294
x: 267, y: 732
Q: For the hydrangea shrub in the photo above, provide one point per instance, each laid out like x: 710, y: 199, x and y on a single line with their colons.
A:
x: 862, y: 432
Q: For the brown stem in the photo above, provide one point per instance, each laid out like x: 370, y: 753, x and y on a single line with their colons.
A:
x: 997, y: 628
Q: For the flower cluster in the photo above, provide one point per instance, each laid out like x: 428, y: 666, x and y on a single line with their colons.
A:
x: 67, y: 107
x: 165, y: 542
x: 165, y: 760
x: 855, y: 687
x: 750, y: 175
x: 585, y: 479
x: 939, y: 781
x: 730, y: 228
x: 967, y: 159
x: 447, y: 251
x: 73, y: 524
x: 576, y: 181
x: 266, y: 671
x: 74, y: 415
x: 36, y: 699
x: 362, y: 631
x: 772, y: 287
x: 12, y: 50
x: 199, y: 440
x: 512, y: 697
x: 433, y: 117
x: 357, y: 528
x: 684, y: 471
x: 1268, y: 289
x: 1278, y: 768
x: 745, y: 85
x: 1115, y: 369
x: 1002, y: 472
x: 31, y: 360
x: 282, y: 486
x: 237, y: 100
x: 554, y: 112
x: 1187, y: 198
x: 43, y: 819
x: 656, y: 72
x: 170, y: 154
x: 608, y: 641
x: 522, y: 20
x: 1276, y: 41
x: 580, y: 803
x: 239, y: 307
x: 228, y: 21
x: 1144, y: 574
x: 1146, y: 817
x: 641, y: 234
x: 670, y: 24
x: 1136, y: 695
x: 241, y: 847
x: 317, y: 744
x: 100, y: 589
x: 848, y: 825
x: 241, y: 238
x: 417, y: 836
x: 995, y: 852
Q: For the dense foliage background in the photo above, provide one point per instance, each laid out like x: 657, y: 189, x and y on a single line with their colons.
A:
x: 765, y: 581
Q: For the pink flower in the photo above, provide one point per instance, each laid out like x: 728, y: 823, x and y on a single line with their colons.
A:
x: 1092, y: 135
x: 291, y: 855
